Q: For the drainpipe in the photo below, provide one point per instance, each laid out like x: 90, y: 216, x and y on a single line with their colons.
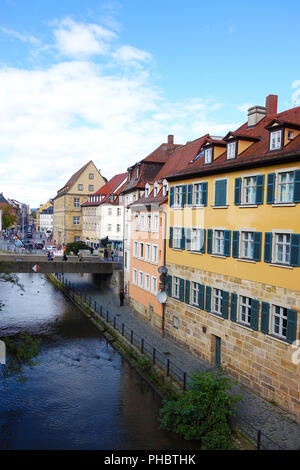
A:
x: 165, y: 246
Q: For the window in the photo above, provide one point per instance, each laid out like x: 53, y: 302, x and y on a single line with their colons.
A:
x: 176, y: 287
x: 198, y: 194
x: 109, y: 211
x: 217, y: 301
x: 154, y: 253
x: 147, y: 190
x: 285, y: 187
x: 135, y: 249
x: 76, y: 202
x: 76, y: 220
x: 134, y: 279
x: 155, y: 223
x: 109, y: 228
x: 141, y: 250
x: 247, y: 241
x: 141, y: 279
x: 245, y: 310
x: 148, y: 222
x: 142, y: 222
x: 76, y: 238
x: 231, y: 150
x: 177, y: 237
x: 208, y: 155
x: 91, y: 176
x: 154, y: 285
x: 282, y: 248
x: 279, y: 321
x: 219, y: 242
x: 197, y: 242
x: 119, y: 211
x: 165, y: 188
x: 155, y: 190
x: 220, y: 192
x: 118, y: 227
x: 176, y: 322
x: 148, y: 251
x: 136, y: 221
x: 80, y: 187
x: 147, y: 282
x: 195, y: 293
x: 178, y: 195
x: 249, y: 190
x: 91, y: 187
x: 275, y: 140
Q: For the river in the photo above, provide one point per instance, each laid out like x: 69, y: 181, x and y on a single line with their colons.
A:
x: 83, y: 395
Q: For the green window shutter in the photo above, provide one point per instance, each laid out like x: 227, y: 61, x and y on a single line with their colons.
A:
x: 260, y: 183
x: 291, y: 327
x: 254, y: 314
x: 172, y: 196
x: 170, y: 286
x: 208, y: 298
x: 182, y: 242
x: 171, y: 238
x: 235, y: 243
x: 190, y: 195
x: 209, y: 240
x: 297, y: 186
x: 268, y: 247
x: 237, y: 191
x: 265, y: 313
x: 295, y: 250
x: 271, y: 188
x: 181, y: 290
x: 183, y: 202
x: 233, y: 307
x: 225, y: 302
x: 204, y: 194
x: 201, y: 297
x: 188, y: 236
x: 227, y: 242
x: 257, y: 246
x: 220, y: 192
x: 187, y: 292
x: 202, y: 248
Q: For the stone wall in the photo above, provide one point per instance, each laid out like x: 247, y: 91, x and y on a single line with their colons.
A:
x: 259, y: 361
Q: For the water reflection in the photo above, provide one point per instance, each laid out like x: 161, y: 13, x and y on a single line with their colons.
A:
x: 83, y: 395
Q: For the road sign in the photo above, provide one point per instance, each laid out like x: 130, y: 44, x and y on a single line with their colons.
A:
x: 162, y: 270
x: 36, y: 268
x: 161, y: 297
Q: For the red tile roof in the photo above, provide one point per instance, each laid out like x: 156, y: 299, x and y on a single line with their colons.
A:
x: 110, y: 188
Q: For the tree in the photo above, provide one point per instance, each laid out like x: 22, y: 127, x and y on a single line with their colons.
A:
x: 8, y: 217
x: 21, y: 348
x: 75, y: 247
x: 202, y: 413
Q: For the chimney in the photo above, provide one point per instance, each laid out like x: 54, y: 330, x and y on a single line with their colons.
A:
x: 256, y: 114
x: 271, y: 104
x: 170, y: 144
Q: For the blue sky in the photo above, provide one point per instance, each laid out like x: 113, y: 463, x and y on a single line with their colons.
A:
x: 108, y: 81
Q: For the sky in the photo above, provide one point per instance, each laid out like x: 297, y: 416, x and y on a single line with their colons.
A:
x: 108, y: 81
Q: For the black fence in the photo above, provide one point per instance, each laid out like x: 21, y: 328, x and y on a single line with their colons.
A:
x: 157, y: 358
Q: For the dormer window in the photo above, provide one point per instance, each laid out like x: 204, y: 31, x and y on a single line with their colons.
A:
x: 275, y: 140
x: 208, y: 155
x: 155, y: 190
x: 231, y: 150
x: 147, y: 190
x: 165, y: 188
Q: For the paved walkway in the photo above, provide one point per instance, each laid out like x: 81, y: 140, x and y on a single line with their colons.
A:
x: 254, y: 412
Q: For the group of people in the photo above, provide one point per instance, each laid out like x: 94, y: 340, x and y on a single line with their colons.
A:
x: 50, y: 256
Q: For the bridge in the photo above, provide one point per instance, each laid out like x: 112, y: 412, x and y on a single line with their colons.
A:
x: 30, y: 263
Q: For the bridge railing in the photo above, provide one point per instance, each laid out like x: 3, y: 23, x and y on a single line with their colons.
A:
x: 262, y: 440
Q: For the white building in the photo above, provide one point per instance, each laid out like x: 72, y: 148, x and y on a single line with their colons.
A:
x: 103, y: 214
x: 46, y: 220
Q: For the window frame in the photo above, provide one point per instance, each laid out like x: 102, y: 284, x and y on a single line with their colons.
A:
x: 247, y: 306
x: 281, y: 320
x: 208, y: 152
x: 233, y: 153
x: 271, y: 147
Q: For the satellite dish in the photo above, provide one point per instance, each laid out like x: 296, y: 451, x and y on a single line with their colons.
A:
x: 162, y: 270
x: 161, y: 297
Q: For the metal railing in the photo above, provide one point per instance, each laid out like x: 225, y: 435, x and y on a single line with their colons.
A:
x: 157, y: 358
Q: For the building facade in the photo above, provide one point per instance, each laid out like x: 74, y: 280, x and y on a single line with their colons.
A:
x: 233, y: 254
x: 67, y: 224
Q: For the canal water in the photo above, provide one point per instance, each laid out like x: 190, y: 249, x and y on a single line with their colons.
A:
x: 83, y: 395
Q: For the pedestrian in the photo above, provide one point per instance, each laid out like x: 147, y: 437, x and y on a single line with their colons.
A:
x: 65, y: 256
x: 79, y: 256
x: 121, y: 298
x: 112, y: 255
x: 49, y: 255
x: 105, y: 253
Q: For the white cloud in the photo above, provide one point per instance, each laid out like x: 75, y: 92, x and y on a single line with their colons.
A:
x: 21, y: 36
x: 55, y: 119
x: 244, y: 107
x: 80, y: 40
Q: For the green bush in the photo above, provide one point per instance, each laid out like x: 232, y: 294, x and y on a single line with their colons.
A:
x: 144, y: 364
x: 202, y: 413
x: 75, y: 247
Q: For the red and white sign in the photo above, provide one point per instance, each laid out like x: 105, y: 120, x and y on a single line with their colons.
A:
x: 36, y: 268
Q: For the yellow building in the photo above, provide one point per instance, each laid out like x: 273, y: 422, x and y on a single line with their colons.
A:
x: 67, y: 203
x: 233, y: 255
